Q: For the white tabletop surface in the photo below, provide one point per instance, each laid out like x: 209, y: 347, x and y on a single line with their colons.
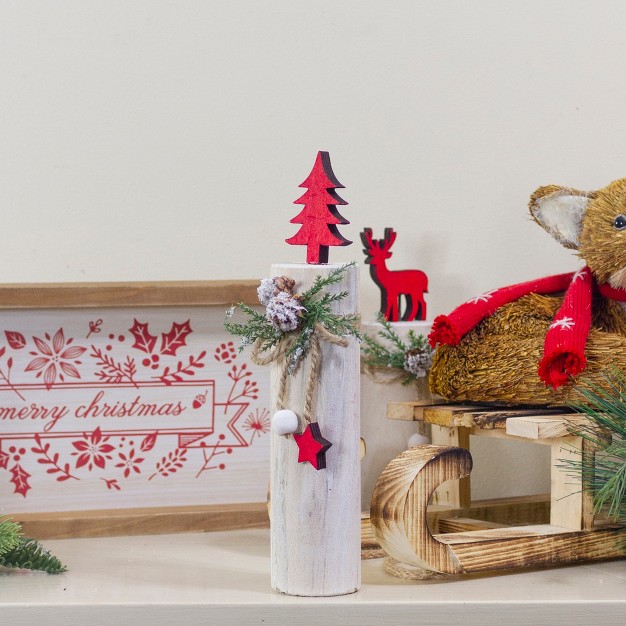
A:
x: 223, y: 578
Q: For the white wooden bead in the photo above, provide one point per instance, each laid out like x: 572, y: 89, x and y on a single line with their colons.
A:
x: 417, y: 439
x: 285, y: 422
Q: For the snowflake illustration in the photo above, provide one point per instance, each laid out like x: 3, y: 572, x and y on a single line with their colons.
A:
x: 56, y: 352
x: 579, y: 274
x: 129, y: 462
x: 565, y: 323
x: 92, y: 449
x: 485, y: 297
x: 259, y: 421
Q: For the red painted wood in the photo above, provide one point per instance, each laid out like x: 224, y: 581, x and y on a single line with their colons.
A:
x: 312, y: 446
x: 412, y: 284
x: 319, y: 217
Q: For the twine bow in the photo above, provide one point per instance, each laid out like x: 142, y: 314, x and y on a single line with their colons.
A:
x: 281, y: 349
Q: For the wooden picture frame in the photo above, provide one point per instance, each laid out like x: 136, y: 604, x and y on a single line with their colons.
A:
x: 43, y: 356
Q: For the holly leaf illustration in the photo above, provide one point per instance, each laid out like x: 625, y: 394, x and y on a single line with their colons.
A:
x: 144, y: 341
x: 170, y: 342
x: 16, y: 340
x: 148, y: 443
x: 19, y: 477
x: 4, y: 459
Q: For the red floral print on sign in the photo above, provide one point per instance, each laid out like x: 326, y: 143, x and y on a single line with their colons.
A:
x: 129, y: 462
x: 56, y: 356
x: 92, y: 449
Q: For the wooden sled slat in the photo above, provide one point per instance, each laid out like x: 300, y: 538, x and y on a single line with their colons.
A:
x: 399, y: 519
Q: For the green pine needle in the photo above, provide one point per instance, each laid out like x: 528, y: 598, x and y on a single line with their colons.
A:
x: 392, y: 353
x: 29, y: 554
x: 318, y: 309
x: 10, y: 535
x: 606, y: 476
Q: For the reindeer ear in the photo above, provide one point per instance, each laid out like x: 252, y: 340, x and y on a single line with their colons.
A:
x: 560, y: 211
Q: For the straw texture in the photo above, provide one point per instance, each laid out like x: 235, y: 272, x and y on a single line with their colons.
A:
x: 499, y: 360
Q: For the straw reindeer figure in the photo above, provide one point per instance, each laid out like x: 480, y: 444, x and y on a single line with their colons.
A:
x: 529, y: 343
x: 412, y: 284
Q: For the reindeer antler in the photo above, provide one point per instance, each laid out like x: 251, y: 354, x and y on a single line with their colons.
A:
x: 390, y: 237
x: 366, y: 238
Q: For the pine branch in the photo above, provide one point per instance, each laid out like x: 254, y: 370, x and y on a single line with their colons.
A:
x: 10, y: 535
x: 393, y: 353
x: 333, y: 278
x: 316, y: 310
x: 29, y: 554
x: 605, y: 477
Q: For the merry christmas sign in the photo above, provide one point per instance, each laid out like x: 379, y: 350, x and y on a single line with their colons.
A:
x: 128, y: 407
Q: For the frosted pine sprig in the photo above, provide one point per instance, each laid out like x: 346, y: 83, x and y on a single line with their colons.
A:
x: 413, y: 357
x: 293, y: 315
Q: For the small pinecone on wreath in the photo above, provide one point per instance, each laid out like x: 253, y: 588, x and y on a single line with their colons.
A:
x: 417, y: 362
x: 271, y: 287
x: 285, y: 311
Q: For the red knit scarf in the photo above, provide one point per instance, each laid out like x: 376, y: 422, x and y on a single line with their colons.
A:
x: 564, y: 346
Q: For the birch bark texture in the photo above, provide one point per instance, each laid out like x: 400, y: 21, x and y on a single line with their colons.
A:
x: 315, y: 524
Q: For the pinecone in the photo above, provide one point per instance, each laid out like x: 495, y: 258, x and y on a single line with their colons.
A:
x: 418, y: 362
x: 284, y: 283
x: 285, y: 311
x: 271, y: 287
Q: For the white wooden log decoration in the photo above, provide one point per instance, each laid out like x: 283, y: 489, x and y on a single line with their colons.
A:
x: 315, y: 515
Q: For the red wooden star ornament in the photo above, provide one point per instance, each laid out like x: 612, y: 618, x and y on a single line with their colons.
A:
x: 312, y: 446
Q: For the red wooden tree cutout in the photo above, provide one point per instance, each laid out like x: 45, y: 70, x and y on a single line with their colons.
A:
x: 319, y: 217
x: 412, y: 284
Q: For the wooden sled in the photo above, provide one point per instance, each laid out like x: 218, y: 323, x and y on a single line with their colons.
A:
x: 474, y: 537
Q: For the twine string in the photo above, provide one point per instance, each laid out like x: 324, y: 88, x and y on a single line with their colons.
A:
x: 280, y: 351
x: 274, y: 355
x: 383, y: 375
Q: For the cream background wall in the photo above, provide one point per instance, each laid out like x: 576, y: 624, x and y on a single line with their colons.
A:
x: 164, y: 140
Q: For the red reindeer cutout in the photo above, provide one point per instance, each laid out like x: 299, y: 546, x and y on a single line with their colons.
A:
x: 412, y: 284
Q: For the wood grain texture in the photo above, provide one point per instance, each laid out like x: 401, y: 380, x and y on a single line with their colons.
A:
x: 463, y: 524
x: 543, y: 426
x: 407, y: 411
x: 488, y: 513
x: 144, y: 521
x: 486, y: 418
x: 571, y: 506
x: 533, y: 547
x: 123, y: 294
x: 471, y: 416
x: 512, y: 511
x: 399, y: 520
x: 370, y: 548
x: 456, y: 493
x: 399, y: 505
x: 315, y: 517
